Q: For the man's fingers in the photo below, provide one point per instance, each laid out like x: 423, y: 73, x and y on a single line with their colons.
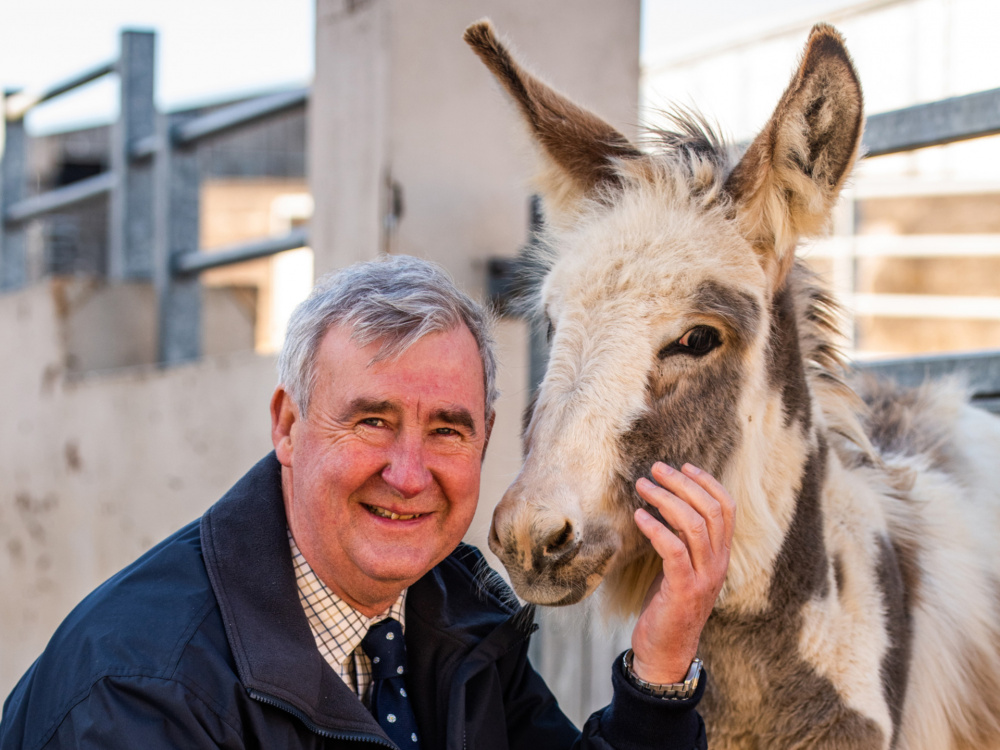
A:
x: 673, y: 552
x: 687, y: 548
x: 682, y: 516
x: 705, y: 495
x: 714, y: 488
x: 695, y: 512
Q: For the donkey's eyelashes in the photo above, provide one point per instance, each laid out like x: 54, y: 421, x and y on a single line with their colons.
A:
x: 697, y: 342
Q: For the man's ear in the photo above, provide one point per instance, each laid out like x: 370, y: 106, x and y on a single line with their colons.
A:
x: 490, y: 420
x: 284, y: 414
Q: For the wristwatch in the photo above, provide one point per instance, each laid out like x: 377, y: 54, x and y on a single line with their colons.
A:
x: 676, y: 691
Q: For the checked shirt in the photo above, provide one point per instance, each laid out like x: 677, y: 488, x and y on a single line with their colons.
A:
x: 337, y: 627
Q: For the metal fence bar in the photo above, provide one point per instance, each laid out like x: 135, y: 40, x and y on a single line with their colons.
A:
x: 947, y: 121
x: 60, y: 198
x: 981, y: 369
x: 21, y: 103
x: 196, y: 262
x: 179, y: 297
x: 238, y: 115
x: 144, y: 148
x: 13, y: 185
x: 154, y: 206
x: 130, y: 225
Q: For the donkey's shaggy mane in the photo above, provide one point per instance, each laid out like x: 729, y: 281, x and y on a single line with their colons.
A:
x: 819, y: 318
x: 691, y: 147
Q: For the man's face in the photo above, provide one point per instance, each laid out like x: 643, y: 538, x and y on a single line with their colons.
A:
x: 381, y: 479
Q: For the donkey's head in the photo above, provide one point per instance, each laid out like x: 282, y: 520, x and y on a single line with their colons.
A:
x: 672, y: 334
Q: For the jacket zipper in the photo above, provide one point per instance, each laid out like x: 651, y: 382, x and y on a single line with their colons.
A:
x: 312, y: 727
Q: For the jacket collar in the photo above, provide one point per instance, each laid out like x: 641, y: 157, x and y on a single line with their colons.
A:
x: 455, y: 621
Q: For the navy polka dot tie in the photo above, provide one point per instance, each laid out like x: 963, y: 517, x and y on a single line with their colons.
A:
x: 385, y: 647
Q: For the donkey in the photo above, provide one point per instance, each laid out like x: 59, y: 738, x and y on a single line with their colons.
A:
x: 862, y: 604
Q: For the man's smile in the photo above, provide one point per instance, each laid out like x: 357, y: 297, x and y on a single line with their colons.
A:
x: 383, y: 513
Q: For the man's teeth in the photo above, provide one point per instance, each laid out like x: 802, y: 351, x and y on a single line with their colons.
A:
x: 389, y: 514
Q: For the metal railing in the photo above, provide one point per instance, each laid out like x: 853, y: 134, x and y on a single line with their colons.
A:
x: 958, y: 118
x: 153, y: 190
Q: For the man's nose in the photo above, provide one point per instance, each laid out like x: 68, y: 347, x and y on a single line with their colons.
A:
x: 407, y: 471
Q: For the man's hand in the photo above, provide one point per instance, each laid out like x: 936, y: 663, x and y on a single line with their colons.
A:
x: 695, y: 560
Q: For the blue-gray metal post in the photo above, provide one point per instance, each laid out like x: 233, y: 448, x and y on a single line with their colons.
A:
x: 13, y: 187
x: 130, y: 229
x: 179, y: 296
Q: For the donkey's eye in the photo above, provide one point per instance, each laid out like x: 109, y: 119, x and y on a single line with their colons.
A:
x: 698, y: 342
x: 550, y: 330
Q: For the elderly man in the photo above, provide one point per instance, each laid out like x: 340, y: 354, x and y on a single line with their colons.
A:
x: 327, y: 601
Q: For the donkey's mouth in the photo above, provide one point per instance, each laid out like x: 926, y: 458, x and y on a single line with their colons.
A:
x: 557, y: 594
x: 558, y: 583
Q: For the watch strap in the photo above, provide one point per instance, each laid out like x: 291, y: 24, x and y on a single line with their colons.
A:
x: 668, y: 691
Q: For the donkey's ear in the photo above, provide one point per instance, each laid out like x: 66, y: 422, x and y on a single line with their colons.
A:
x: 579, y: 149
x: 787, y: 182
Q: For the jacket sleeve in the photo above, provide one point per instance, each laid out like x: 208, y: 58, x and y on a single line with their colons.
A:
x: 151, y: 713
x: 632, y: 721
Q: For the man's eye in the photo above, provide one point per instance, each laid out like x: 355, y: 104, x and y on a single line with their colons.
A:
x: 373, y: 421
x: 446, y: 431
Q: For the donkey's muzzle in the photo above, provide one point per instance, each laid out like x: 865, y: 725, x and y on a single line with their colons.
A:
x: 552, y: 560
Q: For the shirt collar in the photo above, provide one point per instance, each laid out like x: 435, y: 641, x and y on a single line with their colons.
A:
x: 337, y: 626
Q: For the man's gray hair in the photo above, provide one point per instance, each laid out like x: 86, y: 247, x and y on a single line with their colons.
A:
x: 396, y: 299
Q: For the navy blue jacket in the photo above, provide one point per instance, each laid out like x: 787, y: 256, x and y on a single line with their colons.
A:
x: 202, y: 642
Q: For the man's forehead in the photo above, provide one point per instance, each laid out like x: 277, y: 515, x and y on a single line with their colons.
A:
x: 342, y: 349
x: 391, y: 346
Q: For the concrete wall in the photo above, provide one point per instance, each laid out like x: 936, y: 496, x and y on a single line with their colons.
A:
x: 98, y: 468
x: 400, y: 99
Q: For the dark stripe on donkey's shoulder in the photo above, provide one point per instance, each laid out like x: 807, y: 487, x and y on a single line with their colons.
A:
x: 897, y: 600
x: 801, y: 570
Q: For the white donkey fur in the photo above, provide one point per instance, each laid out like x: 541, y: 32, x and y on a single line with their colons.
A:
x: 861, y: 605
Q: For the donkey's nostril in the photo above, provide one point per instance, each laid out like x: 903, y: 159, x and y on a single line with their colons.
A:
x: 559, y: 540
